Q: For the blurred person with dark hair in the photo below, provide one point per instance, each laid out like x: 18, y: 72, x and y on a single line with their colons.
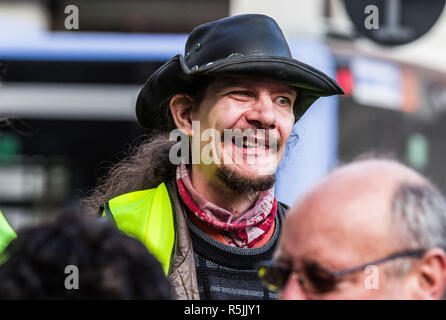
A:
x: 108, y: 263
x: 372, y: 229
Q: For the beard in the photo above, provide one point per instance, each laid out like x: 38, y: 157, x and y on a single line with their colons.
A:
x: 244, y: 185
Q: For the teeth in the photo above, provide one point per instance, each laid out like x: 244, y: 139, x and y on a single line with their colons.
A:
x: 251, y: 144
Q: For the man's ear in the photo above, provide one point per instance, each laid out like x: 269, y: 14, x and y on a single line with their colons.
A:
x: 431, y: 275
x: 181, y: 109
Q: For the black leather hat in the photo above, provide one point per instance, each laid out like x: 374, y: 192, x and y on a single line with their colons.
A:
x: 248, y: 44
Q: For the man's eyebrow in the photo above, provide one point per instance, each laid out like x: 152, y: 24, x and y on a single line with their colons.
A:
x: 310, y: 263
x: 235, y: 82
x: 283, y: 260
x: 230, y: 82
x: 290, y: 90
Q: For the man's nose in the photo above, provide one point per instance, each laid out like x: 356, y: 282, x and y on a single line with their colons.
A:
x: 292, y: 290
x: 263, y: 114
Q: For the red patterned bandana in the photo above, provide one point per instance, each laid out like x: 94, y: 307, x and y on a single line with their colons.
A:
x: 244, y: 231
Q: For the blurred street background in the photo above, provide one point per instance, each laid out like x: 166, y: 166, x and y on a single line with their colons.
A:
x: 68, y: 90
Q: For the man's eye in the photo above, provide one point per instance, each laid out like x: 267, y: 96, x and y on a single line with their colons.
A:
x: 242, y: 93
x: 284, y: 101
x: 320, y: 280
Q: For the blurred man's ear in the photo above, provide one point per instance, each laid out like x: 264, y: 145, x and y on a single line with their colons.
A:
x: 181, y: 109
x: 430, y: 274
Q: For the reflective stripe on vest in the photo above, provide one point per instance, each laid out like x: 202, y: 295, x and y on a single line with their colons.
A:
x: 148, y: 216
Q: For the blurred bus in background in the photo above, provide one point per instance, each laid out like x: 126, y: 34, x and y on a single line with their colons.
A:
x: 67, y: 107
x: 392, y: 108
x: 67, y: 102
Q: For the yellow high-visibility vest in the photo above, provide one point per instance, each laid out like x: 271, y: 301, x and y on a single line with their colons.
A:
x: 148, y: 216
x: 6, y: 235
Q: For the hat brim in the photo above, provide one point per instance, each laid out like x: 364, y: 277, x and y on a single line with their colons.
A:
x: 175, y: 76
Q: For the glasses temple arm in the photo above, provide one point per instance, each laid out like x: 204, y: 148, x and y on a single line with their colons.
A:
x: 411, y: 253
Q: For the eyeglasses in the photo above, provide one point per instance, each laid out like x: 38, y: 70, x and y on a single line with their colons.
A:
x: 315, y: 279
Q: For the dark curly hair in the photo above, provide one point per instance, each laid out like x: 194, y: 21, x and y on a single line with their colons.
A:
x: 110, y: 264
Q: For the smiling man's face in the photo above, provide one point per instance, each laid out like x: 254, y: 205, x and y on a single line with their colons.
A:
x: 260, y: 109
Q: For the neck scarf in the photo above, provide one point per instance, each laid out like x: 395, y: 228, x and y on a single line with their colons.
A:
x: 244, y: 231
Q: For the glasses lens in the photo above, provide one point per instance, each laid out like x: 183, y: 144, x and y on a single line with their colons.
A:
x: 317, y: 280
x: 273, y: 277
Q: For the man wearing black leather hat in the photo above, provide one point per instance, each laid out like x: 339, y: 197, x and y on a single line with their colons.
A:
x: 210, y: 222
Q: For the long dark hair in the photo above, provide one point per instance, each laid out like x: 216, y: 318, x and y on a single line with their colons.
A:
x: 148, y: 165
x: 145, y: 168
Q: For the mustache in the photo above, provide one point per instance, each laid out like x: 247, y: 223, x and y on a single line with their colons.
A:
x: 263, y: 137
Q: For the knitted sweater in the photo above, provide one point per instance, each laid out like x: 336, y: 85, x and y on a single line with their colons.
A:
x: 226, y: 272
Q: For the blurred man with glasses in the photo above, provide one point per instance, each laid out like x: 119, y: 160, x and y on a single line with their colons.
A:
x: 373, y: 229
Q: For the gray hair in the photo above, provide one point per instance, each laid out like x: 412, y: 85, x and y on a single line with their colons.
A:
x: 419, y: 214
x: 419, y: 220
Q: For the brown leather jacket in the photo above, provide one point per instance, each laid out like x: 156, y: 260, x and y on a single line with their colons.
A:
x: 183, y: 275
